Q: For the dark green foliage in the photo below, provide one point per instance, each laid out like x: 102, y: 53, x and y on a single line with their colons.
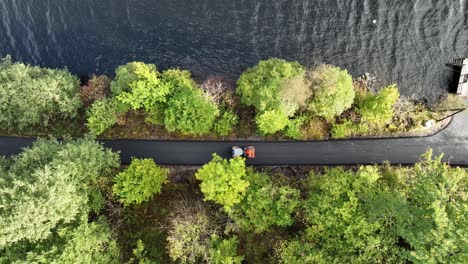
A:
x: 139, y: 182
x: 34, y: 97
x: 189, y: 112
x: 333, y: 91
x: 265, y: 205
x: 384, y: 215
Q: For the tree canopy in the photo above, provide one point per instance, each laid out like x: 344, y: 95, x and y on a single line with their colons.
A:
x: 139, y: 181
x: 333, y: 91
x: 31, y: 96
x: 223, y: 181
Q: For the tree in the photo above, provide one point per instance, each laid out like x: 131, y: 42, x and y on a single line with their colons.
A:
x: 378, y: 109
x: 190, y: 113
x: 333, y: 91
x: 97, y: 88
x: 270, y: 122
x: 140, y: 85
x: 224, y: 251
x: 82, y: 242
x: 31, y: 96
x: 265, y: 205
x: 139, y: 181
x: 260, y: 85
x: 223, y: 181
x: 48, y: 185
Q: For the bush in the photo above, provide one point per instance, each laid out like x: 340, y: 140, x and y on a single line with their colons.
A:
x: 225, y: 123
x: 224, y: 251
x: 139, y: 181
x: 348, y: 129
x: 140, y: 85
x: 190, y: 113
x: 190, y: 230
x: 103, y: 114
x: 333, y: 91
x: 223, y: 181
x: 98, y: 88
x: 265, y: 205
x: 315, y: 128
x: 378, y: 109
x: 294, y: 128
x: 32, y: 96
x: 271, y: 122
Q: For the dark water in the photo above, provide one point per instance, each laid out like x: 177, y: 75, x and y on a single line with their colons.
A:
x: 403, y: 41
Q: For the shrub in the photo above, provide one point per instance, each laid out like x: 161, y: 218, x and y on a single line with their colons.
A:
x: 140, y: 85
x: 223, y: 181
x: 33, y: 96
x: 294, y: 128
x: 378, y: 109
x: 139, y: 181
x: 315, y: 128
x: 225, y: 123
x: 224, y: 251
x: 265, y: 205
x: 333, y: 91
x: 190, y: 113
x: 98, y: 88
x: 190, y: 229
x: 348, y: 129
x: 271, y: 122
x: 103, y: 114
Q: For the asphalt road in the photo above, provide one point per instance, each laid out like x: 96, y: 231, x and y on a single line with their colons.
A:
x: 452, y: 141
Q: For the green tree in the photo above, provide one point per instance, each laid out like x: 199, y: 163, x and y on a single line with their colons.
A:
x: 265, y: 205
x: 223, y: 181
x: 260, y: 86
x: 189, y: 112
x: 270, y: 122
x: 103, y: 114
x: 378, y: 109
x: 82, y: 242
x: 139, y: 181
x: 224, y: 251
x: 47, y: 185
x: 140, y: 85
x: 333, y: 91
x: 31, y: 96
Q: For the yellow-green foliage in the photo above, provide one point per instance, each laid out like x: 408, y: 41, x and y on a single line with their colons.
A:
x: 103, y: 114
x: 139, y: 182
x: 348, y: 129
x: 223, y: 181
x: 271, y: 121
x: 333, y: 91
x: 378, y: 109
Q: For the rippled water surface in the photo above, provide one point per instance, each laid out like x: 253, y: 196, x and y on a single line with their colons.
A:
x: 403, y: 41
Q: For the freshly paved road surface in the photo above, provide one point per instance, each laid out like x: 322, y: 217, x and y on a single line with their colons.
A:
x: 453, y: 141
